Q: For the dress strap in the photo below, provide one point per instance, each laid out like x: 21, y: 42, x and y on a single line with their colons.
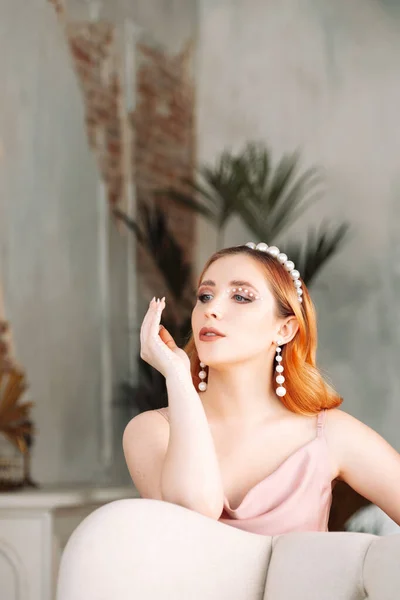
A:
x: 321, y: 422
x: 163, y: 412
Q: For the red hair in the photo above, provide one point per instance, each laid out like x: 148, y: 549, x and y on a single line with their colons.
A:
x: 307, y: 392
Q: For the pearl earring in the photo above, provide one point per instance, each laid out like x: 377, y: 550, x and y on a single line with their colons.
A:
x: 280, y: 391
x: 202, y: 375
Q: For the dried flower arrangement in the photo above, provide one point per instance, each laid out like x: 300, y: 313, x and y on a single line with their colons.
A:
x: 16, y: 426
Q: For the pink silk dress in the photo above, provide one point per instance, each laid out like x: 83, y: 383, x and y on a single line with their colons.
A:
x: 297, y: 496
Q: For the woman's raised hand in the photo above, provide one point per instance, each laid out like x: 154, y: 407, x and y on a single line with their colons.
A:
x: 157, y: 346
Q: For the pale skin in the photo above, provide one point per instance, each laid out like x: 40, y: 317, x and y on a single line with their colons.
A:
x: 239, y: 423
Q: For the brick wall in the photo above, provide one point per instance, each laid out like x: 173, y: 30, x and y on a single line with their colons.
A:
x: 164, y: 141
x: 164, y: 131
x: 162, y: 125
x: 92, y: 50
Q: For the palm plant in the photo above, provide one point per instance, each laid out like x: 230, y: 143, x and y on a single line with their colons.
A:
x: 267, y: 199
x: 167, y: 257
x: 319, y: 247
x: 156, y: 239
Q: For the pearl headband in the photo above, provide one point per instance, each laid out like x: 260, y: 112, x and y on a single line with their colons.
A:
x: 285, y: 262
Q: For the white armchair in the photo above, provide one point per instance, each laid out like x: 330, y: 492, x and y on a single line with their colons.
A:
x: 152, y: 550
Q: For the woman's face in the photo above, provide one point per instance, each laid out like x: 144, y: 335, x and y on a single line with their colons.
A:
x: 245, y: 318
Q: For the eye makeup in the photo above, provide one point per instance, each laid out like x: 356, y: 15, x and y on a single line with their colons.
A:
x: 236, y: 283
x: 247, y: 294
x: 241, y: 290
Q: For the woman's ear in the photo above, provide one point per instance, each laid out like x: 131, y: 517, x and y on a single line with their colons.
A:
x: 288, y: 330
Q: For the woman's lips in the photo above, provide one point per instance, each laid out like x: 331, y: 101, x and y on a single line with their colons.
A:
x: 209, y: 334
x: 210, y: 338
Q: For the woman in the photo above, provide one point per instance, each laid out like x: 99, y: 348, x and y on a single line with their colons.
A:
x: 252, y: 436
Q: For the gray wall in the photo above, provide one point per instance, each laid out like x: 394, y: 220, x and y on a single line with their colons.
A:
x: 324, y: 77
x: 49, y: 246
x: 64, y: 267
x: 319, y: 75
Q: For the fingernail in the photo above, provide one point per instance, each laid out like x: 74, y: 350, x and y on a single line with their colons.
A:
x: 152, y: 300
x: 163, y: 298
x: 158, y: 300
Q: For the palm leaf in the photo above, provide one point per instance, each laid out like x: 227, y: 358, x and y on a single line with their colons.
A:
x: 289, y: 207
x: 267, y: 210
x: 130, y: 223
x: 266, y: 199
x: 206, y: 191
x: 153, y: 233
x: 226, y: 182
x: 282, y: 179
x: 256, y: 171
x: 190, y: 202
x: 165, y: 250
x: 150, y: 392
x: 217, y: 192
x: 320, y: 246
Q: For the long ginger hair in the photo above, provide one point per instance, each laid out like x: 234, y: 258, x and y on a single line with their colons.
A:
x: 307, y: 392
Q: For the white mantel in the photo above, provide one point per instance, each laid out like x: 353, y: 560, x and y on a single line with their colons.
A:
x: 35, y: 525
x: 58, y: 496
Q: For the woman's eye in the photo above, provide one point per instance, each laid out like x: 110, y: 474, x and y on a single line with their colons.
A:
x: 203, y: 297
x: 242, y: 298
x: 237, y: 297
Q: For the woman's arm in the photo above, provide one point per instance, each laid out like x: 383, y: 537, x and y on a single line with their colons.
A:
x: 175, y: 462
x: 190, y: 475
x: 181, y: 465
x: 365, y: 461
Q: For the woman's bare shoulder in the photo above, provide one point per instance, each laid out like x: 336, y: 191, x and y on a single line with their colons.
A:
x: 146, y: 420
x: 365, y: 461
x: 345, y: 434
x: 145, y: 442
x: 340, y: 423
x: 146, y: 428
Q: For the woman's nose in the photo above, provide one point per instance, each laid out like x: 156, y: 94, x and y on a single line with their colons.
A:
x: 213, y: 310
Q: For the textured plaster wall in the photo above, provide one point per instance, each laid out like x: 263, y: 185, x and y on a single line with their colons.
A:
x: 324, y: 77
x: 72, y: 341
x: 48, y: 229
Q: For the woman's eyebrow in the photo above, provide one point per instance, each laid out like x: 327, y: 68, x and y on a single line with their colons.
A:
x: 235, y: 282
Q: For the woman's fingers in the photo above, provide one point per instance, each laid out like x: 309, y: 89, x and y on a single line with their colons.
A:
x: 158, y: 347
x: 167, y: 338
x: 155, y: 323
x: 151, y: 321
x: 146, y: 322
